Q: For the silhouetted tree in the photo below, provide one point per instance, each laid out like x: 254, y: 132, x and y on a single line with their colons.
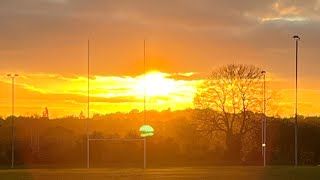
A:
x: 45, y: 113
x: 81, y: 115
x: 225, y: 102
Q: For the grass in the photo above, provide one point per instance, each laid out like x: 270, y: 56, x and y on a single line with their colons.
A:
x: 216, y: 173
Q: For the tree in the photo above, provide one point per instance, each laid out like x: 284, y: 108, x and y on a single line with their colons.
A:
x: 45, y: 113
x: 228, y: 102
x: 81, y: 115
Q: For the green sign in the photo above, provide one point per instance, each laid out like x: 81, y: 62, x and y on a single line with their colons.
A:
x: 146, y: 131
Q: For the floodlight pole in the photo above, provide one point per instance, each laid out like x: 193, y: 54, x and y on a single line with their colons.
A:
x: 296, y: 38
x: 88, y: 116
x: 12, y: 121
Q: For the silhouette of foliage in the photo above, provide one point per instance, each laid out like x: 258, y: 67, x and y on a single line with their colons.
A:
x: 226, y: 102
x: 61, y: 142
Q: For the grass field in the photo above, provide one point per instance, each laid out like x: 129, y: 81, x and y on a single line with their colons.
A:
x: 216, y: 173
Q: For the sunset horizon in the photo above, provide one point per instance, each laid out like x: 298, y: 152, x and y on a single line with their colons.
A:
x: 41, y: 45
x: 159, y: 89
x: 66, y: 95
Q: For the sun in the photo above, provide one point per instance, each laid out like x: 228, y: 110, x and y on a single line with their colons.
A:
x: 155, y: 84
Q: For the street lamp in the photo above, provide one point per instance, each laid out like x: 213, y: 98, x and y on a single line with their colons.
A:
x: 264, y: 121
x: 12, y: 76
x: 296, y: 38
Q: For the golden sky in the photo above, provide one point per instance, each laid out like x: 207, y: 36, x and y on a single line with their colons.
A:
x: 45, y: 41
x: 68, y: 95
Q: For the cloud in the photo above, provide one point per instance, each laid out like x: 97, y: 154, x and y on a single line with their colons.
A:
x: 187, y: 76
x: 49, y: 37
x: 182, y: 35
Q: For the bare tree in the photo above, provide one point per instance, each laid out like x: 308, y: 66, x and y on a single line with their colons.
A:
x: 229, y: 102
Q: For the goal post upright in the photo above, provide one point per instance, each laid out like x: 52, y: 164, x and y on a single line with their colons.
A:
x: 144, y: 133
x: 88, y: 116
x: 144, y: 106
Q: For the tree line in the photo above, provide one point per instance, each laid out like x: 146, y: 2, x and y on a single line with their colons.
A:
x: 177, y: 141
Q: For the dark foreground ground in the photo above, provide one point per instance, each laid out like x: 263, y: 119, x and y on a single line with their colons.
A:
x: 216, y: 173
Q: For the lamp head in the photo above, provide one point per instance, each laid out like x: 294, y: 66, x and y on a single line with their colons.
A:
x: 12, y: 75
x: 263, y: 72
x: 296, y: 37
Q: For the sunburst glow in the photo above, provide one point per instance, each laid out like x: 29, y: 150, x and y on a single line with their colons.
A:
x: 107, y: 93
x: 155, y: 84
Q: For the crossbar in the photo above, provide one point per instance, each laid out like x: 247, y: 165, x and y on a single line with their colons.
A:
x: 116, y: 139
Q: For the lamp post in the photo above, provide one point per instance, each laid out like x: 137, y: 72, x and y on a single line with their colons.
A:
x: 12, y: 76
x: 296, y: 38
x: 264, y: 120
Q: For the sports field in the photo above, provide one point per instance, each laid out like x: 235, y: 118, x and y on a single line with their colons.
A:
x: 216, y: 173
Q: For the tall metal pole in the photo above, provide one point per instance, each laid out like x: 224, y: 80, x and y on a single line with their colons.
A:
x: 296, y: 38
x: 265, y: 119
x: 144, y: 102
x: 296, y: 114
x: 12, y: 126
x: 12, y: 120
x: 262, y: 135
x: 88, y: 116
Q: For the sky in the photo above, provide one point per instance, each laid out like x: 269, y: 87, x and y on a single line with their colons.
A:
x: 45, y: 42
